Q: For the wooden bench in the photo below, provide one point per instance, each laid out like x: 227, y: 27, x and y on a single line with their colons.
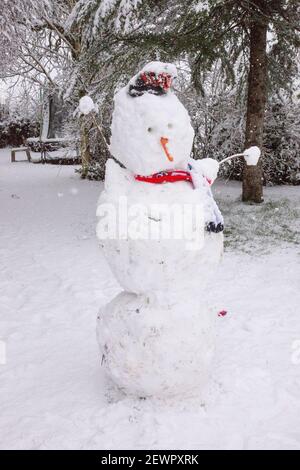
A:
x: 20, y: 149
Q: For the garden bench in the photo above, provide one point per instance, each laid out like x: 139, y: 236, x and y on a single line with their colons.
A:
x: 20, y: 149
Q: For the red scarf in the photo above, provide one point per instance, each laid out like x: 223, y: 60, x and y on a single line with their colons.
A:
x: 167, y: 176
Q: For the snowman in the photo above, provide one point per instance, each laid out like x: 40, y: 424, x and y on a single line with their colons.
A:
x: 161, y: 233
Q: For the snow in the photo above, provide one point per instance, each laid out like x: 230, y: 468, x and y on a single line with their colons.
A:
x: 150, y: 250
x: 207, y: 167
x: 201, y: 6
x: 138, y: 125
x: 157, y: 338
x: 86, y: 105
x: 159, y: 67
x: 157, y: 348
x: 54, y: 139
x: 45, y: 119
x: 252, y: 155
x: 143, y: 332
x: 53, y: 282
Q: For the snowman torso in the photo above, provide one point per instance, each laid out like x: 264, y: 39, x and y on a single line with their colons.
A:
x: 158, y: 243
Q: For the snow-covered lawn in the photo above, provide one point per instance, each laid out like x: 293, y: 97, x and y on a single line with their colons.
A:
x: 53, y: 280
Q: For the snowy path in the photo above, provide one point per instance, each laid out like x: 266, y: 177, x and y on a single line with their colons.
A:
x: 52, y: 282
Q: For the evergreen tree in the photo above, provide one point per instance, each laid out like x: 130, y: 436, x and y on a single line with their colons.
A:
x: 233, y: 32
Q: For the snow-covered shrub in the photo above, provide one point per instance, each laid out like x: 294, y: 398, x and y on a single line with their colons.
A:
x: 14, y: 131
x: 219, y: 123
x: 281, y: 162
x: 281, y: 143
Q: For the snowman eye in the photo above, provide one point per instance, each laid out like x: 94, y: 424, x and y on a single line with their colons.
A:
x: 170, y: 126
x: 150, y: 129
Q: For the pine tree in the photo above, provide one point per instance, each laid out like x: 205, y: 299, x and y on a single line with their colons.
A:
x: 233, y: 32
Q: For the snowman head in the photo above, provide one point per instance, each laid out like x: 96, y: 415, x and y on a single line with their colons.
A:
x: 151, y: 129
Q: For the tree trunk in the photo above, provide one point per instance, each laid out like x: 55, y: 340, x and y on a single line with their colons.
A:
x: 84, y: 147
x: 257, y: 97
x: 85, y: 151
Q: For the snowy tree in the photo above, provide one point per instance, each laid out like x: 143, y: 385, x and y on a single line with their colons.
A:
x: 80, y: 47
x: 234, y: 32
x: 42, y: 48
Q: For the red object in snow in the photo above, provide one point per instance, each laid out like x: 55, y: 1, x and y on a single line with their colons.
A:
x: 163, y: 80
x: 168, y: 176
x: 222, y: 313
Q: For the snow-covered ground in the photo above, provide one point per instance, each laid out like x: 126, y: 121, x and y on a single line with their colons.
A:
x: 53, y: 280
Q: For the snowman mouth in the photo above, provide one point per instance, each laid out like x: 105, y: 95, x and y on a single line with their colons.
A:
x: 164, y: 141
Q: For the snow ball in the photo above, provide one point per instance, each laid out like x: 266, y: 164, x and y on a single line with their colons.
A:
x: 252, y: 155
x: 87, y: 105
x: 209, y: 168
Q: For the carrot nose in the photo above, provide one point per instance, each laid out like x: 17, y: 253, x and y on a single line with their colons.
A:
x: 164, y: 141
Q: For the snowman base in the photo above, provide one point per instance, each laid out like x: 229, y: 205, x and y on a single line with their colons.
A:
x: 154, y: 350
